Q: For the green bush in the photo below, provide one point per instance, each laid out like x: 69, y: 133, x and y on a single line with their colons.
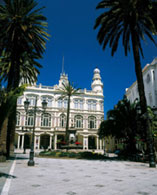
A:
x: 63, y: 154
x: 73, y: 155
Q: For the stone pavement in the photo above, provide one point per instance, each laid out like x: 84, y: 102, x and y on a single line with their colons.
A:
x: 79, y: 177
x: 4, y: 172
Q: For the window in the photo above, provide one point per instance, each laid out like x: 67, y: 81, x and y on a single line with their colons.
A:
x: 31, y: 101
x: 78, y: 104
x: 17, y: 118
x: 150, y: 99
x: 19, y: 101
x: 46, y: 120
x: 92, y: 122
x: 91, y: 105
x: 48, y: 100
x: 62, y: 120
x: 155, y: 97
x: 29, y: 120
x: 60, y: 103
x: 153, y: 75
x: 78, y: 121
x: 101, y: 106
x: 148, y: 78
x: 63, y: 103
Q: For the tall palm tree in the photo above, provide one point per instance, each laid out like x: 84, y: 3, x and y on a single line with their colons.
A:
x: 68, y: 90
x: 7, y: 100
x: 23, y: 32
x: 23, y: 37
x: 131, y: 20
x: 28, y: 68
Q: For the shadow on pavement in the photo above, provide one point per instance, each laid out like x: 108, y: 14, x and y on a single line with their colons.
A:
x: 6, y: 175
x: 18, y: 158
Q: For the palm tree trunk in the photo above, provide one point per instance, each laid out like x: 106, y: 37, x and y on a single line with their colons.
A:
x: 3, y: 140
x: 11, y: 132
x: 13, y: 83
x: 142, y: 96
x: 67, y: 122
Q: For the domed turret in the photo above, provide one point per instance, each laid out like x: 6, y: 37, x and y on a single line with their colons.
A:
x: 97, y: 85
x: 63, y: 79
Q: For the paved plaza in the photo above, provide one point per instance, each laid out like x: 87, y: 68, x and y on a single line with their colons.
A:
x: 76, y: 177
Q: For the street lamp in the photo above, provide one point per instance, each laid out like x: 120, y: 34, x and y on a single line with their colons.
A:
x: 34, y: 111
x: 150, y: 142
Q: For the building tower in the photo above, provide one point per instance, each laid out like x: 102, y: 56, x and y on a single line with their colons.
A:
x: 97, y: 85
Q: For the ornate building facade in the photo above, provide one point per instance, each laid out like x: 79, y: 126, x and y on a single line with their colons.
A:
x: 150, y: 85
x: 86, y: 114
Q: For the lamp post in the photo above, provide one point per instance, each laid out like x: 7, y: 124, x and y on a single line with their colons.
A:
x: 150, y: 141
x: 34, y: 111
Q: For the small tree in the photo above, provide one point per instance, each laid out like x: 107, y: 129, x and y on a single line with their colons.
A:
x: 123, y: 123
x: 68, y: 90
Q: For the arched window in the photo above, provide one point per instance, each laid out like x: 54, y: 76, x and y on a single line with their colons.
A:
x: 62, y: 120
x: 17, y: 118
x: 153, y: 75
x: 46, y: 120
x: 78, y: 121
x: 92, y: 122
x: 29, y: 119
x: 148, y: 78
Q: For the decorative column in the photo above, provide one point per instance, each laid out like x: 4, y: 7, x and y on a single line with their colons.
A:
x: 55, y: 141
x: 100, y: 144
x: 97, y: 145
x: 22, y: 145
x: 50, y: 146
x: 35, y: 142
x: 18, y: 143
x: 85, y: 143
x: 38, y: 142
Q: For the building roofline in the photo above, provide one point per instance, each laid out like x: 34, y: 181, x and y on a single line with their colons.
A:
x: 146, y: 67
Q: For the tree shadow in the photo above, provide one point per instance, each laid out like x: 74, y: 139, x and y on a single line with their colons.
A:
x: 6, y: 175
x: 18, y: 158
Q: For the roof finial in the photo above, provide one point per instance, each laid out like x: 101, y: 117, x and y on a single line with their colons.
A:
x: 63, y: 66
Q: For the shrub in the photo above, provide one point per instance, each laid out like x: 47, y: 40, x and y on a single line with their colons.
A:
x: 73, y: 155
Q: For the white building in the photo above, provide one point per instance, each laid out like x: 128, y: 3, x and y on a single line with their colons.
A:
x: 86, y: 114
x: 150, y: 85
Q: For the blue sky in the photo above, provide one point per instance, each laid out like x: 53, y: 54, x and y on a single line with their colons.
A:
x: 70, y: 24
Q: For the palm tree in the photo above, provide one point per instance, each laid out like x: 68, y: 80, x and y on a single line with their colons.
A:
x: 123, y: 122
x: 131, y: 20
x: 28, y: 68
x: 7, y: 100
x: 68, y: 90
x: 23, y: 32
x: 23, y: 37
